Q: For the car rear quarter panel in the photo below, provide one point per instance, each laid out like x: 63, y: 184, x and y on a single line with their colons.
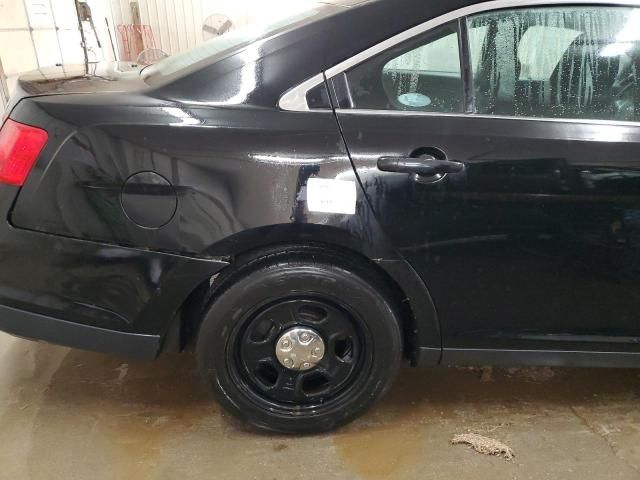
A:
x: 231, y: 170
x: 237, y: 166
x: 239, y: 176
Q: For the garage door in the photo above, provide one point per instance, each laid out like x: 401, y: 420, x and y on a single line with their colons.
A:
x: 46, y: 32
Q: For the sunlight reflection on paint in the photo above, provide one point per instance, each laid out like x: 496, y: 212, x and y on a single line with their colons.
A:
x: 248, y: 75
x: 184, y: 117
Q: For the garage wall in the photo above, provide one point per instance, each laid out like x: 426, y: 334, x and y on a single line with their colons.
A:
x: 43, y: 33
x: 33, y: 34
x: 177, y: 24
x: 4, y: 89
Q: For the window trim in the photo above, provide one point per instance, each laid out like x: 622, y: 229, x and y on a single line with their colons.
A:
x: 404, y: 113
x: 464, y: 48
x: 295, y: 98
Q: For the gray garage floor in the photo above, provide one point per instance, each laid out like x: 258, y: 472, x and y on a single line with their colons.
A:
x: 75, y: 415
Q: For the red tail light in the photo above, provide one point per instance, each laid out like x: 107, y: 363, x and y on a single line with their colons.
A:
x: 20, y: 146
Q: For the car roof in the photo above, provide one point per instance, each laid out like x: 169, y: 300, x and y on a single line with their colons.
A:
x: 292, y: 57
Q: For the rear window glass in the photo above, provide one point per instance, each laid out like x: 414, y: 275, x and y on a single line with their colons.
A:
x: 218, y: 47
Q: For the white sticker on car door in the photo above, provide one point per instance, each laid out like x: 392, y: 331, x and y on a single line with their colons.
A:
x: 331, y: 196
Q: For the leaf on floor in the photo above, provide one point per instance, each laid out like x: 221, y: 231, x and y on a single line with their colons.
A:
x: 485, y: 445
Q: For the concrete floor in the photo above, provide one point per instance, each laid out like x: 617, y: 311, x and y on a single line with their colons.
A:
x: 70, y: 414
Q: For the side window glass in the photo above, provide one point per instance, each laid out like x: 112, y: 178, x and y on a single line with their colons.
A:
x: 568, y: 62
x: 420, y: 75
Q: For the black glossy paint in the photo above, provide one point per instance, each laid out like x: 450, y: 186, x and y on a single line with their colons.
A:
x: 145, y: 191
x: 535, y: 245
x: 132, y: 290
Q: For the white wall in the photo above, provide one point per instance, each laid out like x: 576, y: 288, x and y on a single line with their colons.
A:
x: 4, y: 90
x: 37, y: 33
x: 101, y: 11
x: 42, y: 33
x: 177, y: 24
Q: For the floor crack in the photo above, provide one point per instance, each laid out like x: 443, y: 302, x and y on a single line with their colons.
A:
x: 603, y: 436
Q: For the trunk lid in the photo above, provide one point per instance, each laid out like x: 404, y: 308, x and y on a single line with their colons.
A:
x: 60, y: 80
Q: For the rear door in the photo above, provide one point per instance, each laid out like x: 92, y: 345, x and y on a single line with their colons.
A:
x: 501, y: 153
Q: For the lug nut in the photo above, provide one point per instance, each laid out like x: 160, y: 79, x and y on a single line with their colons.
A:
x: 306, y: 365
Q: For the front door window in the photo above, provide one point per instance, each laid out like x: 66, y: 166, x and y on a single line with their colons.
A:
x: 558, y: 62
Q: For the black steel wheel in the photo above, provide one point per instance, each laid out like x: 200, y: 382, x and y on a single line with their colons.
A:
x: 299, y: 344
x: 255, y: 363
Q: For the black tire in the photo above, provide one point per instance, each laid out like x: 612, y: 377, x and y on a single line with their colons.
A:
x: 347, y: 303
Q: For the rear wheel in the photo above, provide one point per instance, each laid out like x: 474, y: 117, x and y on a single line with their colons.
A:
x: 300, y: 342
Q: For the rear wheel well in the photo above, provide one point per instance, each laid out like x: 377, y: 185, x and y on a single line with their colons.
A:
x: 192, y: 311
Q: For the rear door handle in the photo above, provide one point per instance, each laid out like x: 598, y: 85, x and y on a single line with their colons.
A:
x: 423, y: 165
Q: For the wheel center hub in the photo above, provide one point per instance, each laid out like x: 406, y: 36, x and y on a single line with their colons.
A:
x: 299, y: 348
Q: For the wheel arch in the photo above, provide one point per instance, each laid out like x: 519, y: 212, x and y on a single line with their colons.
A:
x: 422, y: 340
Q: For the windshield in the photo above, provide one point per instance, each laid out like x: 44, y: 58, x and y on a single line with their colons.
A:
x: 219, y: 46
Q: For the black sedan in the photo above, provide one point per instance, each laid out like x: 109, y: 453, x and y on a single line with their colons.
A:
x: 314, y: 200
